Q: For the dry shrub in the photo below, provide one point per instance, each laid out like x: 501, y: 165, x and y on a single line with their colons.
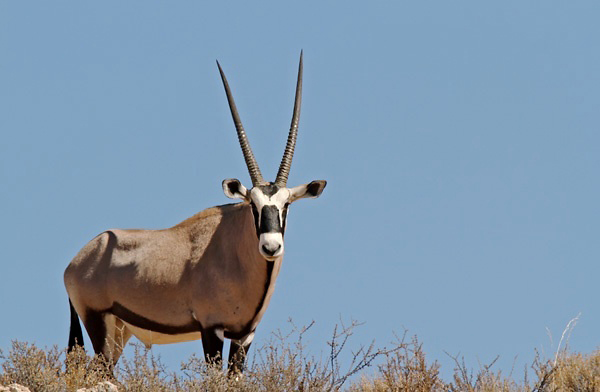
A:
x: 51, y: 370
x: 574, y: 372
x: 282, y: 364
x: 405, y: 369
x: 486, y: 380
x: 28, y: 365
x: 83, y: 371
x: 144, y: 372
x: 202, y: 376
x: 577, y: 373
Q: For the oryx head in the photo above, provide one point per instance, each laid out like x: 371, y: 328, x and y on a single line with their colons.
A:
x: 269, y: 200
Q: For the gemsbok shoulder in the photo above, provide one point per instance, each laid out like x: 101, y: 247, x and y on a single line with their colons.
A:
x: 209, y: 277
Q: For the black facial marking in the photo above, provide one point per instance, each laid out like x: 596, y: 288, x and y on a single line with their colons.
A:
x: 255, y: 214
x: 142, y: 322
x: 269, y: 190
x: 269, y: 220
x: 284, y: 215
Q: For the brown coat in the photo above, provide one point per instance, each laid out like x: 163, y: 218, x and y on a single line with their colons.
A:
x: 165, y: 286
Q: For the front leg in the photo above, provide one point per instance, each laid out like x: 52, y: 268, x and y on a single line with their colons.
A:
x: 237, y: 353
x: 212, y: 343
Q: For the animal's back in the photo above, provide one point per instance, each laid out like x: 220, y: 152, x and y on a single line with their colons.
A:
x: 128, y: 266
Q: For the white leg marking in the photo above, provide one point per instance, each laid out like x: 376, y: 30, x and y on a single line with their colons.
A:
x: 246, y: 340
x: 220, y: 334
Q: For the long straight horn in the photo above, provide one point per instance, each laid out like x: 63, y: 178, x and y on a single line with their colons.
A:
x: 251, y: 163
x: 286, y: 161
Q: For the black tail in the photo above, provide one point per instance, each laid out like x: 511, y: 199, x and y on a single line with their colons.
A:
x: 75, y: 334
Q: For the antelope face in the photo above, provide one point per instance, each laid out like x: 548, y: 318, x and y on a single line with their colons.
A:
x: 270, y: 204
x: 270, y: 201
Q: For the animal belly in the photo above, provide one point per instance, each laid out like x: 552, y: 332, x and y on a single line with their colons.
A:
x: 151, y: 337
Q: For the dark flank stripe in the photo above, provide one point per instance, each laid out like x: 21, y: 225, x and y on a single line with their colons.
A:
x: 142, y: 322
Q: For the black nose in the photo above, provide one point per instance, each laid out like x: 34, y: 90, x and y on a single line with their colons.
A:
x: 270, y: 252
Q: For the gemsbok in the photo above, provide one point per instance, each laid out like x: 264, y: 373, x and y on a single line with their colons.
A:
x: 209, y: 277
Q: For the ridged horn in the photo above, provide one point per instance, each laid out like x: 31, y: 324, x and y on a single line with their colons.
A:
x: 286, y: 161
x: 251, y: 163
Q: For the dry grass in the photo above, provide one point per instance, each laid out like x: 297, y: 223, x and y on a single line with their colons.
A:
x: 283, y: 365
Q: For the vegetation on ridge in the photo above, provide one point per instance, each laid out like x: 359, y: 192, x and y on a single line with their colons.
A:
x: 283, y: 365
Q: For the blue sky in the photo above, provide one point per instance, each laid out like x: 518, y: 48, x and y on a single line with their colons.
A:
x: 459, y: 140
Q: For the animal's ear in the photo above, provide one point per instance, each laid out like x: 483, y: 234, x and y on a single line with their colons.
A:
x: 234, y: 189
x: 312, y: 190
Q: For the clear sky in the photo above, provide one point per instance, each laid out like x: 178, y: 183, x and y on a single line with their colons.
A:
x: 460, y: 141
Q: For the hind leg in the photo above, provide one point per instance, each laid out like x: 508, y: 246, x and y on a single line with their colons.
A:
x: 108, y: 334
x: 96, y: 329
